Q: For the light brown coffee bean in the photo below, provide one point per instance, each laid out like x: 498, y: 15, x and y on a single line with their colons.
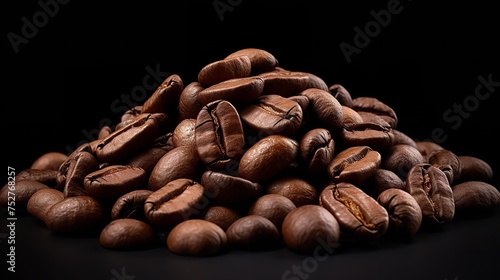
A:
x: 367, y: 134
x: 427, y: 147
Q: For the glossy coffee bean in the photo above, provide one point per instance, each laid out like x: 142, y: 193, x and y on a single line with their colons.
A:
x: 44, y: 176
x: 222, y: 216
x: 128, y: 234
x: 253, y: 232
x: 403, y: 138
x: 426, y: 148
x: 130, y: 205
x: 309, y: 229
x: 260, y: 60
x: 274, y: 207
x: 148, y: 158
x: 350, y: 116
x: 189, y: 105
x: 131, y: 113
x: 448, y: 162
x: 19, y: 194
x: 405, y: 215
x: 317, y: 150
x: 431, y: 189
x: 49, y: 160
x: 82, y: 164
x: 166, y: 97
x: 382, y: 180
x: 401, y: 158
x: 198, y: 238
x: 367, y: 134
x: 289, y: 83
x: 41, y: 201
x: 223, y: 70
x: 354, y: 165
x: 341, y: 94
x: 114, y: 181
x: 475, y: 195
x: 358, y: 214
x: 229, y: 190
x: 475, y: 169
x: 326, y: 108
x: 298, y: 190
x: 183, y: 134
x: 238, y: 91
x: 377, y: 107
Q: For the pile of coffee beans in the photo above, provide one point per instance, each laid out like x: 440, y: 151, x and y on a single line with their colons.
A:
x: 252, y: 156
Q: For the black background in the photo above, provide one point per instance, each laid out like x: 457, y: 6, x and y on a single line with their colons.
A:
x: 60, y: 86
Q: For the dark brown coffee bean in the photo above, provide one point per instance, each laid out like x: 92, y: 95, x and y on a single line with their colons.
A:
x: 260, y: 60
x: 326, y: 108
x: 267, y: 158
x: 405, y: 215
x: 273, y: 114
x: 448, y: 162
x: 180, y: 162
x: 308, y: 228
x: 219, y: 135
x: 220, y: 215
x: 50, y: 161
x: 183, y: 134
x: 382, y: 180
x: 341, y: 94
x: 19, y: 193
x: 62, y: 172
x: 354, y: 165
x: 80, y: 166
x: 317, y: 150
x: 238, y: 91
x: 44, y: 176
x: 104, y: 132
x: 298, y: 190
x: 115, y: 180
x: 274, y: 207
x: 400, y: 159
x: 303, y: 103
x: 131, y: 113
x: 475, y: 195
x: 427, y: 147
x: 223, y: 70
x: 77, y: 215
x: 289, y: 83
x: 198, y: 238
x: 475, y: 169
x: 367, y: 134
x: 41, y: 201
x: 132, y: 138
x: 253, y: 232
x: 175, y: 202
x: 357, y: 213
x: 165, y: 98
x: 229, y: 190
x: 128, y: 234
x: 350, y: 116
x: 402, y: 138
x: 377, y: 107
x: 189, y: 106
x: 148, y: 158
x: 431, y: 189
x: 130, y: 205
x: 369, y: 117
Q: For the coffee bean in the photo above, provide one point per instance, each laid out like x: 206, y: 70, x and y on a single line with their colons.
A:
x: 22, y: 192
x: 49, y: 160
x: 148, y: 158
x: 354, y: 165
x: 229, y: 190
x: 165, y: 98
x: 427, y: 147
x: 298, y: 190
x: 197, y: 237
x: 260, y: 60
x: 326, y: 108
x: 253, y: 232
x: 377, y: 107
x: 115, y: 180
x: 341, y: 94
x: 223, y: 70
x: 401, y: 158
x: 183, y: 134
x: 475, y: 195
x: 41, y: 201
x: 222, y: 216
x: 475, y: 169
x: 44, y: 176
x: 317, y: 150
x: 274, y: 207
x: 367, y: 134
x: 130, y: 205
x: 448, y: 162
x: 189, y: 105
x: 128, y: 234
x: 405, y: 215
x: 238, y: 91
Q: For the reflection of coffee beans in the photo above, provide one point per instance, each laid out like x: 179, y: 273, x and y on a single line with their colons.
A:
x: 251, y: 155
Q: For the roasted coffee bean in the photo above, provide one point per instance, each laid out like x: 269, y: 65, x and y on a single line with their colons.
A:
x: 354, y: 165
x: 289, y: 83
x: 357, y: 213
x: 189, y: 105
x: 382, y: 180
x: 341, y: 94
x: 326, y: 108
x: 253, y: 232
x: 308, y: 228
x: 427, y: 147
x: 183, y: 134
x: 223, y: 70
x: 369, y: 117
x: 475, y: 169
x: 131, y: 113
x: 273, y: 114
x: 401, y: 158
x: 317, y: 150
x: 405, y: 215
x: 267, y: 158
x: 402, y: 138
x: 165, y: 98
x: 44, y: 176
x: 222, y: 216
x: 431, y: 189
x: 475, y: 195
x: 274, y: 207
x: 260, y: 60
x: 180, y: 162
x: 350, y: 116
x: 303, y: 103
x: 20, y: 193
x: 148, y: 158
x: 80, y: 166
x: 77, y: 215
x: 50, y: 161
x: 219, y: 135
x: 128, y: 234
x: 298, y: 190
x: 229, y: 190
x: 377, y: 107
x: 198, y: 238
x: 132, y: 138
x: 367, y: 134
x: 238, y: 91
x: 175, y: 202
x: 41, y: 201
x: 62, y: 172
x: 115, y: 180
x: 104, y: 132
x: 448, y: 162
x: 130, y: 205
